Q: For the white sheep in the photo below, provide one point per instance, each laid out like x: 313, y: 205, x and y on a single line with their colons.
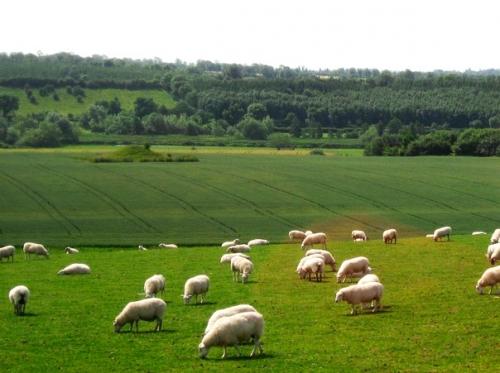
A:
x: 296, y: 235
x: 241, y: 267
x: 225, y: 312
x: 478, y: 233
x: 19, y: 296
x: 327, y: 257
x: 7, y: 252
x: 429, y: 235
x: 227, y: 244
x: 168, y: 245
x: 358, y: 235
x: 441, y: 232
x: 154, y: 285
x: 390, y: 236
x: 197, y: 285
x: 368, y: 278
x: 226, y: 258
x: 75, y: 269
x: 71, y: 250
x: 491, y: 249
x: 495, y: 255
x: 242, y: 248
x: 490, y: 277
x: 233, y: 331
x: 495, y: 236
x: 312, y: 265
x: 355, y: 295
x: 314, y: 238
x: 257, y: 241
x: 303, y: 260
x: 142, y: 248
x: 34, y: 248
x: 352, y: 267
x: 149, y: 309
x: 307, y: 233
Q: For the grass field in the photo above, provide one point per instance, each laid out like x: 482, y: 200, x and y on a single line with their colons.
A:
x: 432, y: 319
x: 68, y: 104
x: 60, y: 198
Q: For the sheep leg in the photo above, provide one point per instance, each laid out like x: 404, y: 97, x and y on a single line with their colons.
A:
x: 223, y: 352
x: 237, y: 349
x: 256, y: 344
x: 202, y: 296
x: 137, y: 326
x: 353, y: 310
x: 491, y: 289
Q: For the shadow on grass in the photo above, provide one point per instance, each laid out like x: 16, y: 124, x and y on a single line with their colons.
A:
x: 28, y: 314
x: 369, y: 311
x: 264, y: 356
x: 209, y: 303
x: 140, y: 332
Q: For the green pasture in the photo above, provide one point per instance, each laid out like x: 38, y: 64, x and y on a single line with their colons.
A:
x: 432, y: 319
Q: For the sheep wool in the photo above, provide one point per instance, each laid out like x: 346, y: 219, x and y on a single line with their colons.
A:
x: 34, y: 248
x: 154, y: 285
x: 490, y: 277
x: 75, y: 269
x: 358, y: 294
x: 197, y: 285
x: 19, y: 296
x: 225, y: 312
x: 7, y: 252
x: 150, y: 309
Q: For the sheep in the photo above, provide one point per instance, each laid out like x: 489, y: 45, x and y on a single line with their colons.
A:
x: 7, y: 252
x: 34, y: 248
x: 350, y: 267
x: 478, y: 233
x: 233, y: 331
x: 19, y: 296
x: 75, y: 269
x: 312, y: 265
x: 154, y: 285
x: 257, y: 241
x: 168, y: 245
x: 495, y: 236
x: 361, y: 294
x: 307, y: 233
x: 71, y: 250
x: 441, y: 232
x: 368, y: 278
x: 243, y: 248
x: 197, y: 285
x: 226, y: 258
x: 491, y: 249
x: 490, y: 277
x: 390, y: 235
x: 142, y: 248
x: 296, y: 235
x: 327, y: 257
x: 495, y: 255
x: 314, y: 238
x: 225, y: 312
x: 241, y: 267
x: 358, y: 235
x: 303, y: 260
x: 227, y: 244
x: 150, y: 309
x: 429, y: 235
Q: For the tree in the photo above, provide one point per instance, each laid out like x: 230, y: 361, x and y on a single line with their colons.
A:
x: 47, y: 135
x: 252, y: 129
x: 144, y: 106
x: 154, y: 124
x: 233, y: 71
x: 280, y: 140
x: 257, y: 111
x: 8, y: 105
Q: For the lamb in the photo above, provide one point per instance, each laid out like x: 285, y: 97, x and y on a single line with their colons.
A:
x: 495, y: 236
x: 71, y: 250
x: 390, y: 236
x: 314, y: 238
x: 243, y: 248
x: 226, y: 258
x: 441, y: 232
x: 360, y: 294
x: 350, y: 267
x: 168, y: 245
x: 296, y: 235
x: 490, y: 277
x: 491, y: 249
x: 495, y: 255
x: 358, y: 235
x: 241, y: 267
x: 142, y: 248
x: 478, y: 233
x: 75, y: 269
x: 154, y: 285
x: 233, y: 331
x: 197, y: 285
x: 150, y: 309
x: 225, y: 312
x: 227, y: 244
x: 368, y: 278
x: 34, y: 248
x: 327, y: 257
x: 257, y: 241
x: 19, y: 296
x: 7, y: 252
x: 312, y: 265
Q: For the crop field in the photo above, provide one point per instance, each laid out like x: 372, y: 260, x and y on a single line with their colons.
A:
x: 61, y: 198
x: 432, y: 319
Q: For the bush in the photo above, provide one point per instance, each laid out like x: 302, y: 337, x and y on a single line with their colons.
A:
x: 253, y: 129
x: 481, y: 142
x: 280, y: 140
x: 435, y: 143
x: 317, y: 152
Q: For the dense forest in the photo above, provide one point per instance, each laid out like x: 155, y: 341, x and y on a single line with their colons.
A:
x: 393, y: 113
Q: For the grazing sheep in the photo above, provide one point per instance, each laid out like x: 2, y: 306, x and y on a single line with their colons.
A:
x: 168, y: 245
x: 197, y: 285
x: 296, y: 235
x: 241, y: 267
x: 71, y: 250
x: 368, y: 278
x: 34, y: 248
x: 490, y: 277
x: 314, y: 238
x: 307, y: 233
x: 257, y: 241
x: 226, y: 258
x: 478, y: 233
x: 358, y: 235
x: 233, y: 331
x: 430, y: 235
x: 154, y: 285
x: 350, y: 267
x: 495, y: 255
x: 7, y: 252
x: 75, y: 269
x: 361, y: 294
x: 312, y: 265
x: 19, y: 296
x: 227, y: 244
x: 243, y: 248
x: 491, y: 249
x: 150, y: 309
x: 390, y: 236
x: 327, y: 257
x: 495, y: 236
x: 441, y: 232
x: 142, y: 248
x: 303, y: 260
x: 225, y: 312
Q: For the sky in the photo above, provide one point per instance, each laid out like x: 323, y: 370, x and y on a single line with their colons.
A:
x: 418, y: 35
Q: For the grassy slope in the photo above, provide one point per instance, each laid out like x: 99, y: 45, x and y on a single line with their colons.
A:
x: 433, y: 319
x: 68, y: 104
